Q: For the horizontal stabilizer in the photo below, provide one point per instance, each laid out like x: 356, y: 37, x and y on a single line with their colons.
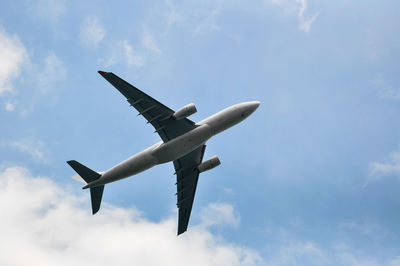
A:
x: 78, y: 178
x: 87, y: 174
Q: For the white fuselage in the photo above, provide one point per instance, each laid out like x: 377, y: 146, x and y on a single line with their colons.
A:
x: 175, y: 148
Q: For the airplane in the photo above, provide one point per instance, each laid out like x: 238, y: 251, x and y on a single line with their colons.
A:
x: 183, y: 143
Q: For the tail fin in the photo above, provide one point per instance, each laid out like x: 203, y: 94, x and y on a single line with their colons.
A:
x: 96, y: 193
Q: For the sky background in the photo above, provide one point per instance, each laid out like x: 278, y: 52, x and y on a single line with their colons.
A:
x: 311, y: 178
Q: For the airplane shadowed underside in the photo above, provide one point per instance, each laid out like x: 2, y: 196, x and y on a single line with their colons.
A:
x: 183, y: 143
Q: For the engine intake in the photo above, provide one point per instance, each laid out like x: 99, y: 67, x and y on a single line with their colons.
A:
x: 209, y: 164
x: 185, y: 111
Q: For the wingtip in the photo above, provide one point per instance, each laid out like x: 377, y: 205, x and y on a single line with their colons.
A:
x: 102, y: 72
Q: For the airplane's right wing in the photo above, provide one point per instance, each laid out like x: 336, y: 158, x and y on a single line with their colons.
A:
x: 156, y: 113
x: 187, y: 176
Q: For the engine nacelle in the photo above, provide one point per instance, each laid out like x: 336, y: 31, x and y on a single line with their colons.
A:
x: 185, y: 111
x: 209, y: 164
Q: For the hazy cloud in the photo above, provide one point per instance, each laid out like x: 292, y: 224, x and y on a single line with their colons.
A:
x: 92, y: 32
x: 219, y: 214
x: 305, y: 23
x: 299, y: 253
x: 42, y: 79
x: 150, y: 44
x: 201, y: 18
x: 395, y: 262
x: 9, y: 107
x: 298, y: 7
x: 53, y: 71
x: 292, y: 251
x: 206, y: 20
x: 54, y: 227
x: 125, y: 53
x: 385, y: 89
x: 171, y: 15
x: 49, y: 10
x: 33, y: 147
x: 389, y: 167
x: 366, y: 228
x: 41, y: 76
x: 13, y: 57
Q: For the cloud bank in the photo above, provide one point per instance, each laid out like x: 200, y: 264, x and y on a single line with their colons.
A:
x: 52, y: 226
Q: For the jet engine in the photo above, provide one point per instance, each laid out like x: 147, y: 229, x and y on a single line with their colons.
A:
x: 209, y: 164
x: 185, y: 111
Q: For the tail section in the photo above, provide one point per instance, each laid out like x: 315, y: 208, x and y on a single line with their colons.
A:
x: 96, y: 193
x: 87, y: 174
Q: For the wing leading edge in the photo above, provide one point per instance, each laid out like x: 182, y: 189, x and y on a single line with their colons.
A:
x: 157, y: 114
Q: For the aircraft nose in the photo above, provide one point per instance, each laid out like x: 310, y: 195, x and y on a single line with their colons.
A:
x: 249, y: 108
x: 255, y: 104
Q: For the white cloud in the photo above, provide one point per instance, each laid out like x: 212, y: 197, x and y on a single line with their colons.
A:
x: 54, y: 227
x: 150, y: 44
x: 92, y: 32
x: 42, y: 79
x: 34, y: 148
x: 124, y: 52
x: 13, y: 57
x: 391, y: 167
x: 9, y: 107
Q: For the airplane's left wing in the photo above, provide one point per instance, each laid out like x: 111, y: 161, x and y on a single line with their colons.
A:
x: 157, y: 114
x: 187, y: 176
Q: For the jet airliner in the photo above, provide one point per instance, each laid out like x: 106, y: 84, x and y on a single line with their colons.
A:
x: 183, y: 143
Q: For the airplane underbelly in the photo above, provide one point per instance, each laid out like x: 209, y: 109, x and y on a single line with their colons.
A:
x: 182, y: 145
x: 131, y: 166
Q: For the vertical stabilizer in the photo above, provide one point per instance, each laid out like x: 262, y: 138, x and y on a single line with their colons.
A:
x: 96, y: 193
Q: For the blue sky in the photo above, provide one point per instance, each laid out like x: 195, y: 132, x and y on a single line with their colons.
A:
x: 311, y: 178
